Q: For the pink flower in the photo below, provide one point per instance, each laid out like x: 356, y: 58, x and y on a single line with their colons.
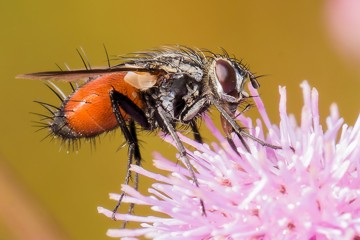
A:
x: 310, y: 189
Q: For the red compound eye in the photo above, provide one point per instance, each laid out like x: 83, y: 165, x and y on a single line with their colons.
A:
x: 226, y: 75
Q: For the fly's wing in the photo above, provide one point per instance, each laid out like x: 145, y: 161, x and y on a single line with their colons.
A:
x: 68, y: 76
x: 139, y: 78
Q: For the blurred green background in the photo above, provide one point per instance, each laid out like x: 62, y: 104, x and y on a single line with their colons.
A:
x: 54, y: 190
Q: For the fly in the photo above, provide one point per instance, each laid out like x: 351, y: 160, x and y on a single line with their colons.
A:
x: 158, y: 89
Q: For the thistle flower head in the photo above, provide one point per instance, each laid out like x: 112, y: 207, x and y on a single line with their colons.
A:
x: 309, y: 189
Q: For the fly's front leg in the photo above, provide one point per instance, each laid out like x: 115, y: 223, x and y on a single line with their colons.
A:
x: 131, y: 139
x: 238, y: 131
x: 166, y: 124
x: 228, y: 129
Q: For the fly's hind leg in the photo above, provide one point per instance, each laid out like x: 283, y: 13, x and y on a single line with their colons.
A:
x: 133, y: 154
x: 118, y: 101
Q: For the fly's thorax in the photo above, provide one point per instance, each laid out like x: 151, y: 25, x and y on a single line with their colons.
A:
x: 178, y: 62
x: 178, y: 94
x: 172, y: 61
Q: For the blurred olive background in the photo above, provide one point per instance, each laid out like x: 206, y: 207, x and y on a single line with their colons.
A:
x: 55, y: 192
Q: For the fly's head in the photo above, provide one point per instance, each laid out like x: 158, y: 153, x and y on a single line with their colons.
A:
x: 227, y: 79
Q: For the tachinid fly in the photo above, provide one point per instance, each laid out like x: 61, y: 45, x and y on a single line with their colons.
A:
x: 158, y: 89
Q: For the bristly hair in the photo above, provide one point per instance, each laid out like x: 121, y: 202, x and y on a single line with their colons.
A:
x: 70, y: 144
x: 200, y: 56
x: 44, y: 123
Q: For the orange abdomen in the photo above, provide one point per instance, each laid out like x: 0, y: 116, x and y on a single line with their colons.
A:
x: 88, y: 110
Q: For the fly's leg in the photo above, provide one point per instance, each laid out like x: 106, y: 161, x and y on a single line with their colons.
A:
x: 137, y: 157
x: 167, y: 126
x: 238, y: 130
x: 131, y: 139
x: 228, y: 137
x: 228, y: 129
x: 196, y: 132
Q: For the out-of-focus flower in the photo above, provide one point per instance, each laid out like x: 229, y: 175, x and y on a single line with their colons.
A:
x: 310, y: 189
x: 342, y: 18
